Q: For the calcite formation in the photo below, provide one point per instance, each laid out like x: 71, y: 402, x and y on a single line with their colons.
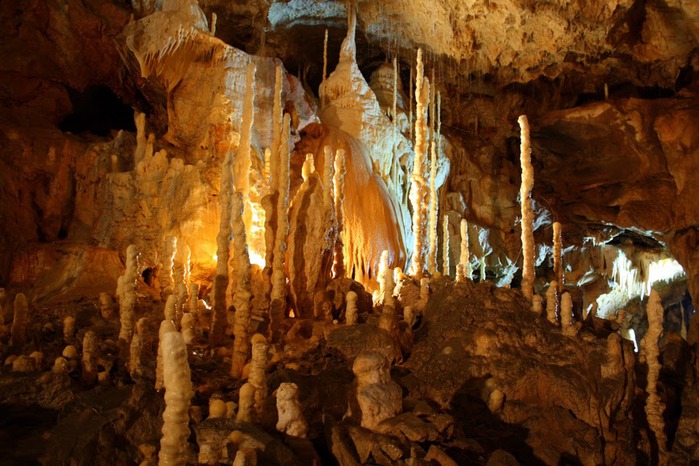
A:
x: 253, y: 178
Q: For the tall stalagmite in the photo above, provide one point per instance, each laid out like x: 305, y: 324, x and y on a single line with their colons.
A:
x: 418, y: 185
x: 127, y: 297
x: 463, y: 270
x: 527, y: 213
x: 338, y: 193
x: 240, y: 264
x: 557, y: 255
x: 655, y: 407
x: 178, y: 394
x: 223, y: 241
x: 278, y: 296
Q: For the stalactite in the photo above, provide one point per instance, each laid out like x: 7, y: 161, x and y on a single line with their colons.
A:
x: 242, y: 296
x: 410, y: 107
x: 394, y: 107
x: 278, y: 295
x: 557, y: 257
x: 463, y: 270
x: 417, y: 187
x: 527, y: 214
x: 445, y: 247
x: 654, y: 404
x: 339, y: 190
x: 178, y: 395
x: 243, y: 164
x: 325, y: 64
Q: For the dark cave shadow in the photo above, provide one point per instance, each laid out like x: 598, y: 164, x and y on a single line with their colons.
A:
x: 21, y: 427
x: 474, y: 419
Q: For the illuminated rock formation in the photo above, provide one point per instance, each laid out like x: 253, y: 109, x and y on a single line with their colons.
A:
x: 291, y: 420
x: 178, y: 394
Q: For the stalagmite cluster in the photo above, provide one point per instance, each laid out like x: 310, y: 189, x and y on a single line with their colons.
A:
x: 267, y: 215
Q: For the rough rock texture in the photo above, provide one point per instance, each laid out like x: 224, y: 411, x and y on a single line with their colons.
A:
x: 544, y: 376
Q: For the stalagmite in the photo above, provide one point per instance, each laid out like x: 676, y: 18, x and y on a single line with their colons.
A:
x: 166, y: 326
x: 417, y: 185
x: 188, y: 328
x: 18, y: 331
x: 221, y: 279
x: 432, y: 254
x: 424, y: 294
x: 654, y: 404
x: 378, y: 396
x: 338, y: 194
x: 170, y: 312
x: 445, y: 248
x: 127, y: 298
x: 278, y: 132
x: 290, y: 411
x: 463, y: 270
x: 167, y: 278
x: 106, y: 306
x: 136, y: 349
x: 351, y: 309
x: 242, y: 297
x: 243, y: 162
x: 552, y: 303
x: 178, y: 394
x: 271, y: 201
x: 193, y: 298
x: 89, y: 358
x: 140, y: 150
x: 386, y: 283
x: 214, y: 18
x: 278, y: 295
x: 68, y: 328
x: 328, y: 188
x: 258, y: 365
x: 537, y: 305
x: 527, y: 213
x: 246, y: 403
x: 557, y: 257
x: 567, y: 315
